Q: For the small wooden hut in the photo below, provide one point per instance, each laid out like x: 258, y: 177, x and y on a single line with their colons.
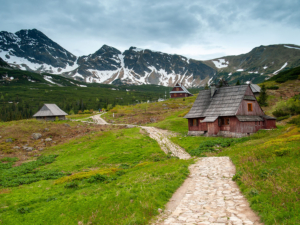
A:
x: 179, y: 91
x: 227, y: 111
x: 50, y: 112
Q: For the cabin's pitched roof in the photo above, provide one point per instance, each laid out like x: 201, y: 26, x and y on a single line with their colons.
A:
x: 50, y: 110
x: 183, y: 88
x: 225, y: 102
x: 255, y: 88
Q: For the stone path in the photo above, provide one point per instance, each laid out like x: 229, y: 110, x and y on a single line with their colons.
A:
x: 209, y: 196
x: 162, y: 138
x: 98, y: 120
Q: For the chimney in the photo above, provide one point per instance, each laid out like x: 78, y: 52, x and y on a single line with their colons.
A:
x: 212, y: 90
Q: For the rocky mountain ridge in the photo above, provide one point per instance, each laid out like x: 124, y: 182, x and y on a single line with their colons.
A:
x: 31, y: 50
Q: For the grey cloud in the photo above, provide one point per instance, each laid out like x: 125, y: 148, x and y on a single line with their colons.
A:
x: 142, y: 23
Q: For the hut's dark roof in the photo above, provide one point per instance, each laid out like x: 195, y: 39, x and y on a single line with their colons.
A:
x: 225, y: 102
x: 50, y: 110
x: 183, y: 88
x: 255, y: 88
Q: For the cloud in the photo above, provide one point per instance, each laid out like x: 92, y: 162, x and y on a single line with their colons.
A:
x: 83, y: 26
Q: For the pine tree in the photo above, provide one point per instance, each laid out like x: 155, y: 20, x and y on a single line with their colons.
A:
x: 263, y: 96
x: 206, y: 86
x: 238, y: 82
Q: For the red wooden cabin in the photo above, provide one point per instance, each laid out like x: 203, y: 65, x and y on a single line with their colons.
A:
x: 227, y: 111
x: 179, y: 91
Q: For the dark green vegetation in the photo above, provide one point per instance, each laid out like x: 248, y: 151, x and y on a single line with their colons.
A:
x: 262, y: 99
x: 119, y: 176
x: 23, y: 96
x: 291, y: 74
x: 241, y: 78
x: 288, y: 108
x: 26, y: 173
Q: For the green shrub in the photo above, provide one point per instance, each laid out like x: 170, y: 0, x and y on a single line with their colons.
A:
x: 97, y: 178
x: 72, y: 184
x: 282, y: 152
x: 23, y: 210
x: 273, y: 87
x: 237, y: 176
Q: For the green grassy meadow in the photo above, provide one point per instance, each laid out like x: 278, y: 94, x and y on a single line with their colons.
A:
x: 140, y: 180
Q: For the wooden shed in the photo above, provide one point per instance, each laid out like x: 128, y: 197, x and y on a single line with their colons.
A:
x: 50, y: 112
x: 227, y: 111
x: 179, y: 91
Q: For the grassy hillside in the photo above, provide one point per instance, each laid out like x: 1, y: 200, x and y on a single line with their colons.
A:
x: 106, y: 175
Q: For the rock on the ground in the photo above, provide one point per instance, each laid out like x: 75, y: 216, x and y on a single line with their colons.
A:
x: 9, y: 140
x: 36, y: 136
x: 16, y: 147
x: 48, y: 139
x: 28, y: 149
x: 46, y: 129
x: 40, y: 149
x: 66, y: 125
x: 152, y: 120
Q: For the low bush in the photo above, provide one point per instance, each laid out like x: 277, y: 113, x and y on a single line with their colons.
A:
x: 215, y: 145
x: 273, y: 87
x: 27, y: 173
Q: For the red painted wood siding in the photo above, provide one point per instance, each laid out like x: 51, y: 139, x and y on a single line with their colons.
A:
x: 270, y: 124
x: 200, y: 127
x: 179, y: 95
x: 243, y: 109
x: 213, y: 128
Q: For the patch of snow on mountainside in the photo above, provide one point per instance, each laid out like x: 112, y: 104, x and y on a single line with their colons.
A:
x: 291, y: 47
x: 221, y: 63
x: 265, y: 67
x: 49, y: 79
x: 277, y: 71
x: 240, y: 70
x: 229, y: 74
x: 78, y: 75
x: 101, y: 76
x: 34, y: 66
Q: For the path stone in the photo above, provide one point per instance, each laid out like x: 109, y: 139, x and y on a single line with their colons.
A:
x: 210, y: 197
x: 165, y: 144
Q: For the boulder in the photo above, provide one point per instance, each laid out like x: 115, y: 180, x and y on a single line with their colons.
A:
x: 9, y: 140
x: 16, y: 147
x: 28, y: 149
x: 46, y: 129
x: 152, y: 120
x: 67, y: 125
x: 36, y: 136
x: 48, y: 139
x: 41, y: 149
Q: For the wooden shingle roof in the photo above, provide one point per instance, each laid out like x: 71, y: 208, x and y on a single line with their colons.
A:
x: 50, y: 110
x: 225, y: 102
x: 183, y: 88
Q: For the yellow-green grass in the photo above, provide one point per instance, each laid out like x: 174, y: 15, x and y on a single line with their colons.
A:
x: 78, y: 116
x: 147, y: 184
x: 146, y: 113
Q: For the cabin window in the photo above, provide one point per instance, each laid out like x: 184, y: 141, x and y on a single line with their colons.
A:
x: 177, y: 89
x: 250, y: 108
x: 195, y: 122
x: 175, y: 95
x: 225, y: 121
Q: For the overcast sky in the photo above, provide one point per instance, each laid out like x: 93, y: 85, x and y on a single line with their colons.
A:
x: 194, y: 28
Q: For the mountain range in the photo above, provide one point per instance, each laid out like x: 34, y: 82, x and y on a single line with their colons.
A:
x: 32, y: 50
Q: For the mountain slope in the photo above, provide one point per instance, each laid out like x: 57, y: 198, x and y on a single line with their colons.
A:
x: 137, y: 66
x: 33, y: 51
x: 259, y: 64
